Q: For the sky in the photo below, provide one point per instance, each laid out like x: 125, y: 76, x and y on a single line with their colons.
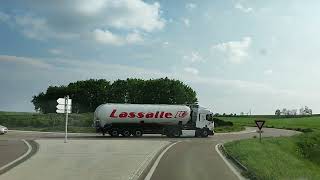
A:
x: 239, y: 55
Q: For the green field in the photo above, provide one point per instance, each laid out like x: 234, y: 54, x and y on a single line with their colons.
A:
x: 296, y: 157
x: 297, y: 123
x: 47, y: 122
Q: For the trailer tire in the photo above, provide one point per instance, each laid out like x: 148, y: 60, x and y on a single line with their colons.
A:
x: 126, y: 133
x: 114, y: 132
x: 174, y: 133
x: 137, y: 133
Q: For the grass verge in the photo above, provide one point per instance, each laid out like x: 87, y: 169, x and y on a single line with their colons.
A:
x: 296, y: 157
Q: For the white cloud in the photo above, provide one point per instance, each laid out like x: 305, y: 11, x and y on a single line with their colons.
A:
x: 165, y: 44
x: 78, y: 18
x: 25, y: 61
x: 235, y: 51
x: 194, y: 57
x: 134, y: 38
x: 191, y: 70
x: 191, y: 6
x: 268, y: 72
x: 186, y: 21
x: 4, y: 17
x: 242, y: 8
x: 38, y: 28
x: 107, y: 37
x: 55, y: 51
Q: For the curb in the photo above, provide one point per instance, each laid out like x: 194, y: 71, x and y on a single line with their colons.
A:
x: 32, y: 149
x: 243, y: 169
x: 233, y: 159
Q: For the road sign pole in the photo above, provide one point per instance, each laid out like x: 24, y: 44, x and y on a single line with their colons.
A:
x: 259, y: 124
x: 66, y: 111
x: 260, y: 135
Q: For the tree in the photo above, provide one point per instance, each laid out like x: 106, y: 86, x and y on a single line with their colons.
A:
x: 278, y: 112
x: 87, y: 95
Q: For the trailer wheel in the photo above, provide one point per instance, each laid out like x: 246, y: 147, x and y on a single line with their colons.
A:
x: 126, y: 133
x: 176, y: 132
x: 204, y: 133
x: 173, y: 132
x: 137, y: 133
x: 114, y: 133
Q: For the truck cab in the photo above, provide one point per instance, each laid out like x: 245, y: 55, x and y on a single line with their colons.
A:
x: 201, y: 121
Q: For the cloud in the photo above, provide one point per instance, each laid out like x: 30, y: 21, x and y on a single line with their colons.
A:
x: 38, y: 28
x: 242, y: 8
x: 56, y: 51
x: 186, y: 21
x: 194, y: 57
x: 25, y: 61
x: 165, y: 44
x: 4, y: 17
x: 78, y: 18
x: 107, y: 37
x: 235, y: 51
x: 190, y: 6
x: 268, y: 72
x: 191, y: 70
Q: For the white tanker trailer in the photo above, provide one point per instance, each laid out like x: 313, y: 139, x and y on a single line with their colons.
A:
x: 139, y: 119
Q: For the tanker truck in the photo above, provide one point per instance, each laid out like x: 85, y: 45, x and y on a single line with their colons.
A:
x: 139, y: 119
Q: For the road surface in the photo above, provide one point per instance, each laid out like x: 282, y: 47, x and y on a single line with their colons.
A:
x: 190, y: 158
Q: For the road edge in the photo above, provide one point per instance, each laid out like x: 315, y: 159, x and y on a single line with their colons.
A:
x: 233, y: 167
x: 147, y: 174
x: 32, y: 149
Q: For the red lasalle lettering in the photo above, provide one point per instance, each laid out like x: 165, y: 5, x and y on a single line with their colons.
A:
x: 156, y: 114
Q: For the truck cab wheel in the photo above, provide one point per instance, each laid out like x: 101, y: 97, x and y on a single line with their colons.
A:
x: 204, y: 133
x: 137, y: 133
x: 114, y: 133
x: 126, y: 133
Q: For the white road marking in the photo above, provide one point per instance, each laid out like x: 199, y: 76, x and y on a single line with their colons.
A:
x: 154, y: 166
x: 19, y: 158
x: 236, y: 172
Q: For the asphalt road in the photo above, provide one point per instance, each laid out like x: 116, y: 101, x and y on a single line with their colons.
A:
x: 11, y: 150
x: 191, y: 158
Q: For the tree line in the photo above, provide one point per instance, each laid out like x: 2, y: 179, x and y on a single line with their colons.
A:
x: 88, y: 94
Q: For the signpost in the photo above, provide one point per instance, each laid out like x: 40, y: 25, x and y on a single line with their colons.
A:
x: 64, y: 106
x: 259, y: 124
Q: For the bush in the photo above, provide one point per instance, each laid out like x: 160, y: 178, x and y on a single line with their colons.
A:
x: 219, y: 122
x: 309, y: 146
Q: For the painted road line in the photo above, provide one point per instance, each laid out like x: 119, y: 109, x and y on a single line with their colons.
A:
x: 236, y: 172
x: 145, y: 163
x: 154, y: 166
x: 19, y: 158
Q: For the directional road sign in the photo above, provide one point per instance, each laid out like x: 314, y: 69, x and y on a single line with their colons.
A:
x: 62, y: 111
x: 63, y: 101
x: 62, y: 107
